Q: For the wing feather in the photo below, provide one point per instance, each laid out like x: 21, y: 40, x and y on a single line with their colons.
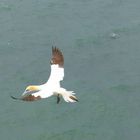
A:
x: 57, y: 57
x: 57, y: 69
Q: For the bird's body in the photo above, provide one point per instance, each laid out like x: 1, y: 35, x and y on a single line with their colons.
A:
x: 52, y: 86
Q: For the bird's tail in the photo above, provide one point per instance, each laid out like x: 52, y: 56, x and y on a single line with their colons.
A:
x: 68, y: 96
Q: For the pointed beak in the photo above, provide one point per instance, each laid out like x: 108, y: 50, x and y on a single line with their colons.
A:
x: 30, y: 92
x: 25, y: 92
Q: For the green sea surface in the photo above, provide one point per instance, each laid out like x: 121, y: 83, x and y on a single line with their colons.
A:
x: 100, y: 40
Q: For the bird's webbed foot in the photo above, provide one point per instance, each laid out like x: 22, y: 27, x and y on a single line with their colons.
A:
x: 58, y: 99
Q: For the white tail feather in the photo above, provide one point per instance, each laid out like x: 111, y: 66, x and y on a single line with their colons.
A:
x: 67, y: 95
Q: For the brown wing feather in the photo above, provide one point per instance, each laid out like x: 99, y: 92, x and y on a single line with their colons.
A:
x: 57, y: 57
x: 30, y: 98
x: 27, y: 98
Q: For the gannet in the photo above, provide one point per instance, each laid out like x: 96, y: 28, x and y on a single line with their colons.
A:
x: 52, y: 86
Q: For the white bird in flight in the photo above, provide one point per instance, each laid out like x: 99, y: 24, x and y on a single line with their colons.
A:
x: 52, y: 86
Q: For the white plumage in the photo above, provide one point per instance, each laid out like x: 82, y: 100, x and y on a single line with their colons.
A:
x: 52, y: 86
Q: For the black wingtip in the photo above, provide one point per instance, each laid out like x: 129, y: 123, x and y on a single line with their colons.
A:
x: 54, y: 48
x: 15, y: 98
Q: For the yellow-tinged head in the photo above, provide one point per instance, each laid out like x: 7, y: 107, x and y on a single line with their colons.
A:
x: 32, y: 88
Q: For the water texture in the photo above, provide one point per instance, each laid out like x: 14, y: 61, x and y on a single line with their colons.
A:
x: 100, y: 40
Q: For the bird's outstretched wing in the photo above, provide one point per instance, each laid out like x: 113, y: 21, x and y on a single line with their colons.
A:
x: 57, y: 66
x: 57, y: 57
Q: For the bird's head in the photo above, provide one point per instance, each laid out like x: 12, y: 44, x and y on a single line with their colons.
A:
x: 32, y: 88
